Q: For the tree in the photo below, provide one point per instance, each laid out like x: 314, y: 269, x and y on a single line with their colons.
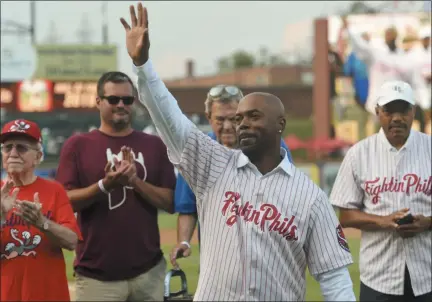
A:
x: 238, y: 59
x: 359, y: 8
x: 242, y: 59
x: 224, y: 64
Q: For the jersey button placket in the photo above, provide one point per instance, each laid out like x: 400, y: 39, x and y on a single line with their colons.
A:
x: 253, y: 261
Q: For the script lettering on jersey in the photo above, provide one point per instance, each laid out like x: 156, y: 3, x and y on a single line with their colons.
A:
x: 266, y: 217
x: 15, y: 220
x: 409, y: 184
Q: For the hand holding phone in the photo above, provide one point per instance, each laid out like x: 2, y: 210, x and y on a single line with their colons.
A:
x: 407, y: 219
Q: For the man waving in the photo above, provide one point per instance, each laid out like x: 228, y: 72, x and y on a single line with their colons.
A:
x: 262, y: 219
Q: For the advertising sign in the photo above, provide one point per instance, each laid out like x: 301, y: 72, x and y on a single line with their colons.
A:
x: 45, y: 96
x: 74, y: 62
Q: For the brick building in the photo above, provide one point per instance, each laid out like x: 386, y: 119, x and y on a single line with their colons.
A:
x: 248, y: 77
x: 292, y: 84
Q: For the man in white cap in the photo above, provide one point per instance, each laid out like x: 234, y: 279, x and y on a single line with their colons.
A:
x: 384, y: 188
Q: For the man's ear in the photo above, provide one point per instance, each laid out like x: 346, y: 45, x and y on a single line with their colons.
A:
x: 39, y: 157
x: 376, y: 110
x: 282, y: 124
x: 208, y: 116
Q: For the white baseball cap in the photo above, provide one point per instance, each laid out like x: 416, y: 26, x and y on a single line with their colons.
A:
x: 394, y: 91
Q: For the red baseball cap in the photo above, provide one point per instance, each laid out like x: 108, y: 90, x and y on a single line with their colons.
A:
x: 23, y: 128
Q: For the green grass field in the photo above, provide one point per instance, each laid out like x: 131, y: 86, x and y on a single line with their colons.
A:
x: 191, y: 264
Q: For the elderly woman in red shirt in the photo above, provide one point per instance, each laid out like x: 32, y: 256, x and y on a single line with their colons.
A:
x: 37, y: 221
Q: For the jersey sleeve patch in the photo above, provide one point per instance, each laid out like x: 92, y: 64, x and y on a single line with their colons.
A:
x: 343, y: 243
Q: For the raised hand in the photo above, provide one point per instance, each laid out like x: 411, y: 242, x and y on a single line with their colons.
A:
x: 137, y: 37
x: 345, y: 23
x: 8, y: 201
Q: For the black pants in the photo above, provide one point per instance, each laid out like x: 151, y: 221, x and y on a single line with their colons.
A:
x: 367, y: 294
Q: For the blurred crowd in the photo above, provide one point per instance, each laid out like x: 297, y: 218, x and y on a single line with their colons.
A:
x: 369, y: 59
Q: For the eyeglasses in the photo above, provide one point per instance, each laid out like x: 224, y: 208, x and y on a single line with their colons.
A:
x: 114, y: 100
x: 227, y: 91
x: 20, y: 148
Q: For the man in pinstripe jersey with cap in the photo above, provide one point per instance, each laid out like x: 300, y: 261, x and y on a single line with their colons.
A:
x: 383, y: 188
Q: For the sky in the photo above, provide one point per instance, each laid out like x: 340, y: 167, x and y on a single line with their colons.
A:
x: 201, y: 30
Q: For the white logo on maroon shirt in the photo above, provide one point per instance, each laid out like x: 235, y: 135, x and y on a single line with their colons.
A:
x: 110, y: 158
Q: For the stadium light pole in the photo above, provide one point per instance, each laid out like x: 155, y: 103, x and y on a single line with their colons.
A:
x: 33, y: 21
x: 104, y: 10
x: 14, y: 28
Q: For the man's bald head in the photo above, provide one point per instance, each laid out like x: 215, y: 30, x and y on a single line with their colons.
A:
x: 390, y: 36
x: 260, y: 116
x: 266, y: 102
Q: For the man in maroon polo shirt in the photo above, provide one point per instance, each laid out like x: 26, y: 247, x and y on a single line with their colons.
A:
x: 117, y: 179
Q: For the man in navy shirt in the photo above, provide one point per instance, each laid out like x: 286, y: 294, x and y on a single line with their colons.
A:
x: 220, y: 108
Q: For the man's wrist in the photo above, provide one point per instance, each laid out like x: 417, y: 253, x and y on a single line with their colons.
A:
x: 186, y: 243
x: 104, y: 186
x: 134, y: 180
x: 43, y: 224
x: 139, y: 63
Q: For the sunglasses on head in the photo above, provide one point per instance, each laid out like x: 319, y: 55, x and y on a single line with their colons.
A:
x: 20, y: 148
x: 222, y: 90
x: 114, y: 100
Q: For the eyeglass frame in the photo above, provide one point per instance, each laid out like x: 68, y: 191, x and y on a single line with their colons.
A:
x: 17, y: 147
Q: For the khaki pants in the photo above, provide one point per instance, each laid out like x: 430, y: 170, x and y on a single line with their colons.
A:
x: 145, y: 287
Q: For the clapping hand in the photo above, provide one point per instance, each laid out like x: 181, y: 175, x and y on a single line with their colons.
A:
x: 127, y: 165
x: 7, y: 200
x: 122, y: 173
x: 137, y: 37
x: 31, y: 212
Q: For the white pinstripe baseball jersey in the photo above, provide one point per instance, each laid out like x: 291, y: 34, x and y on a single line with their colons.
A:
x: 258, y: 232
x: 380, y: 180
